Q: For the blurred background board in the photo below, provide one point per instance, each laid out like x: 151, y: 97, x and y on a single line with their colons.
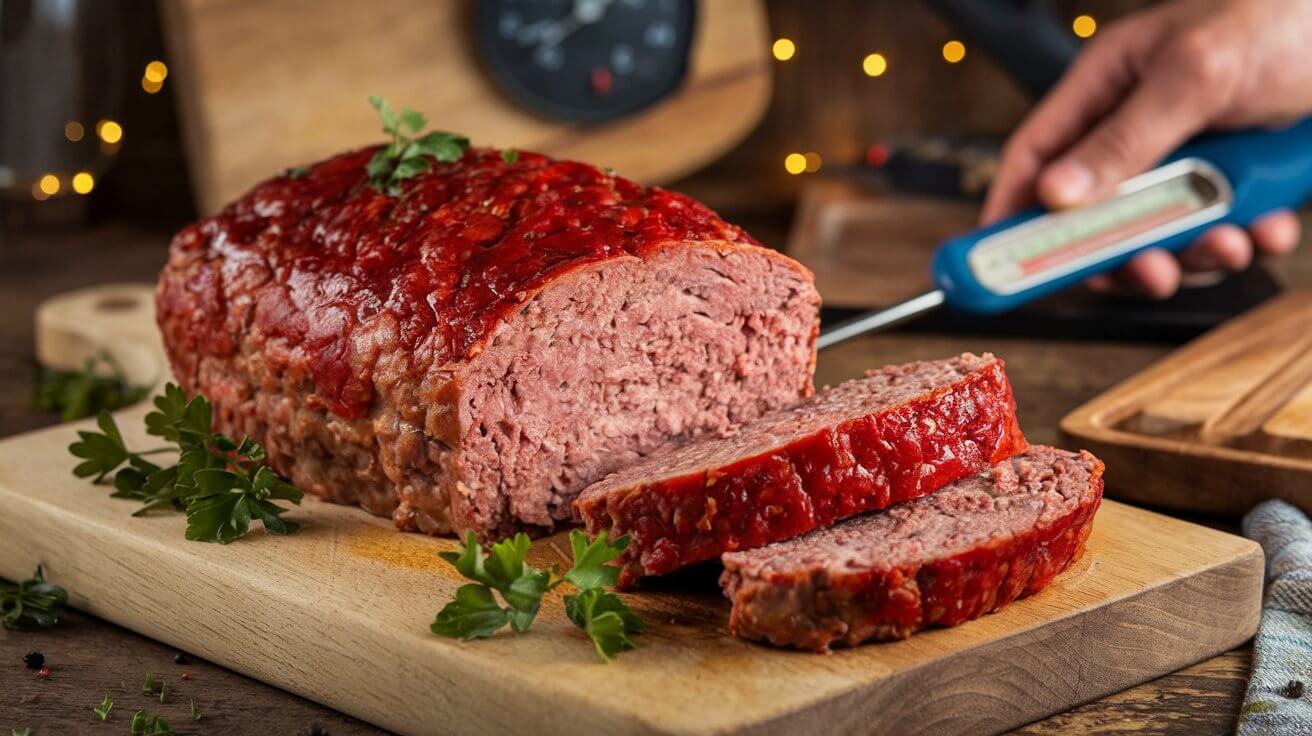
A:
x: 1218, y: 425
x: 255, y: 103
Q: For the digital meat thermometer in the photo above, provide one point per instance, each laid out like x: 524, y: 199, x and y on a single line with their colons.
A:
x: 1222, y: 178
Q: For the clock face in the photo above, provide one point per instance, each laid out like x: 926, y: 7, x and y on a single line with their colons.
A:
x: 586, y: 60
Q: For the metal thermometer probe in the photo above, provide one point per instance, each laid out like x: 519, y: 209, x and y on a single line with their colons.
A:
x: 1225, y: 178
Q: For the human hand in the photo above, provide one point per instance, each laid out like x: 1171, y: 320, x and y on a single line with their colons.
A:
x: 1143, y: 87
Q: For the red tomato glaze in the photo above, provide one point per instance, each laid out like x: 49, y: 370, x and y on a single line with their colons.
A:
x: 451, y: 255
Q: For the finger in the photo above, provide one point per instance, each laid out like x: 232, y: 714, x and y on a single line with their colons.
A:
x: 1172, y: 102
x: 1154, y: 273
x: 1091, y: 87
x: 1224, y: 246
x: 1276, y: 233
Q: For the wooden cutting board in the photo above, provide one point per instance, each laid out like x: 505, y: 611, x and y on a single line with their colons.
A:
x: 1220, y: 424
x: 339, y: 613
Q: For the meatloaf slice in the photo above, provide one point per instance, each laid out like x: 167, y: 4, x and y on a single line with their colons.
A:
x: 899, y: 433
x: 469, y: 349
x: 955, y: 555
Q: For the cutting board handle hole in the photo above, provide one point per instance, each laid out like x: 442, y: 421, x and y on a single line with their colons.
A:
x: 117, y: 303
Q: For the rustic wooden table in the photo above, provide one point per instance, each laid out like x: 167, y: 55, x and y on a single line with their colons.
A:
x: 89, y: 657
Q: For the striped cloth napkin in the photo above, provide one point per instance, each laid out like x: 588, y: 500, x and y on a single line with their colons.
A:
x: 1279, y: 697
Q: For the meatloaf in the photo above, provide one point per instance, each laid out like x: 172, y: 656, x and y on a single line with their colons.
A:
x: 969, y: 549
x: 471, y: 350
x: 898, y: 433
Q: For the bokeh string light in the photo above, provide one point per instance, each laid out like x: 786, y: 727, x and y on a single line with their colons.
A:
x: 874, y: 65
x: 1084, y: 26
x: 954, y: 51
x: 784, y: 49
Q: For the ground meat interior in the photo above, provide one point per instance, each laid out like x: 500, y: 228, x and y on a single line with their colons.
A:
x: 884, y: 388
x: 624, y: 359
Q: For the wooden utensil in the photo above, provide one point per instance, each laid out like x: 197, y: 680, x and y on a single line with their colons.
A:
x: 253, y: 103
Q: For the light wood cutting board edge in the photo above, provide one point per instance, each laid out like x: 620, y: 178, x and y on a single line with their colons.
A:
x: 313, y: 614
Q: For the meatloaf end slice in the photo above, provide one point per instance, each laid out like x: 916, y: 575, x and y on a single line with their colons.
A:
x: 953, y: 556
x: 898, y: 433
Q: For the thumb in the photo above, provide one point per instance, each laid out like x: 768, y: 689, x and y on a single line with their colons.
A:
x: 1167, y: 108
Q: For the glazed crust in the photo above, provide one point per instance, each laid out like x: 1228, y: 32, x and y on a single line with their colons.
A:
x: 862, y: 463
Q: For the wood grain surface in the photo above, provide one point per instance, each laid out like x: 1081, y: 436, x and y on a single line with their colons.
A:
x: 1190, y: 431
x: 1050, y: 378
x: 339, y: 612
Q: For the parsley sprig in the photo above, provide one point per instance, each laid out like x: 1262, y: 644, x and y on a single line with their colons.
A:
x: 31, y: 603
x: 146, y: 724
x: 476, y: 613
x: 102, y: 710
x: 405, y: 157
x: 101, y: 384
x: 220, y: 483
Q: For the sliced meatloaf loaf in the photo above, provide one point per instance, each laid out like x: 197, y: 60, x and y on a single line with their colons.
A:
x: 955, y: 555
x: 899, y: 433
x: 472, y: 349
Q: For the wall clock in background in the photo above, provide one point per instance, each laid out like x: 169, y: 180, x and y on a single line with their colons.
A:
x: 653, y: 88
x: 586, y: 60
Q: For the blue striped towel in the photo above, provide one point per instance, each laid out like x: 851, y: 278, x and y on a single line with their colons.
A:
x: 1279, y: 697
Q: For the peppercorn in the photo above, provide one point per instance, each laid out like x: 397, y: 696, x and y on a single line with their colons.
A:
x: 34, y: 660
x: 43, y: 673
x: 186, y: 675
x: 181, y: 658
x: 1293, y: 689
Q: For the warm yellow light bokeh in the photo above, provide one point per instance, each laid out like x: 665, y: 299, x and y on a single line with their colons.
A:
x: 73, y: 131
x: 83, y: 182
x: 1084, y: 26
x: 784, y: 49
x: 156, y: 71
x: 794, y: 163
x: 813, y: 162
x: 874, y: 65
x: 954, y: 51
x: 151, y: 87
x: 109, y: 131
x: 49, y: 184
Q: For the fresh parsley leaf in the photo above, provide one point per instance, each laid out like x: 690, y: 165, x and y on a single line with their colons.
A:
x: 145, y: 724
x: 521, y: 586
x: 162, y: 688
x: 103, y: 709
x: 220, y: 483
x: 32, y: 603
x: 510, y: 155
x: 405, y: 157
x: 101, y: 451
x: 605, y: 618
x: 195, y: 712
x: 100, y: 385
x: 475, y: 613
x: 149, y: 687
x: 20, y: 732
x: 590, y: 569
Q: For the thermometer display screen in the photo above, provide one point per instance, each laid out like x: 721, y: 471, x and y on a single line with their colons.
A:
x: 1145, y: 209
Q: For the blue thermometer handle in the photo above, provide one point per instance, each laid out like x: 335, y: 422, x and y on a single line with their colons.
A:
x: 1266, y: 170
